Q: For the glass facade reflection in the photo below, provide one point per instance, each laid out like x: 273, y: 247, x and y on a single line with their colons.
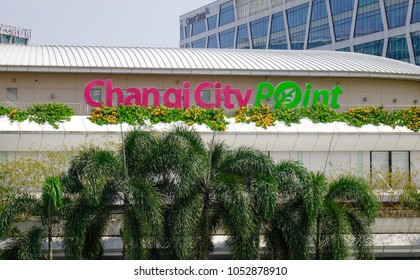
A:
x: 342, y: 13
x: 212, y: 22
x: 242, y: 39
x: 319, y: 31
x: 416, y: 12
x: 201, y: 43
x: 396, y: 12
x: 398, y: 49
x: 339, y: 25
x: 296, y: 20
x: 373, y: 48
x: 259, y: 33
x: 227, y: 13
x: 226, y: 38
x: 415, y: 40
x: 278, y: 39
x: 369, y: 18
x: 198, y: 27
x: 212, y: 42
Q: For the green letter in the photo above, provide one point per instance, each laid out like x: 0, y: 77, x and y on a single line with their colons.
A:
x: 288, y: 92
x: 335, y: 92
x: 261, y: 95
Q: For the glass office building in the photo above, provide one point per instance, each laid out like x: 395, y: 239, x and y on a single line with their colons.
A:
x: 389, y: 28
x: 14, y: 35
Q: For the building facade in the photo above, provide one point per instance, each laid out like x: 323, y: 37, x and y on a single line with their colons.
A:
x: 389, y: 28
x: 14, y: 35
x: 79, y: 76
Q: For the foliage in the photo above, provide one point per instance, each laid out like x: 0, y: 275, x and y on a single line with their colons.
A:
x: 16, y: 206
x: 51, y: 113
x: 28, y: 172
x: 215, y: 118
x: 92, y: 187
x: 315, y: 218
x: 137, y: 115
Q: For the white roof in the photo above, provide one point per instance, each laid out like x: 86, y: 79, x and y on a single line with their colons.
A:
x: 200, y: 61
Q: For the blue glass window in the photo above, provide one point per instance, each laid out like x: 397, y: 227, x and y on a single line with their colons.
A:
x: 373, y: 48
x: 198, y: 27
x: 6, y: 38
x: 201, y: 43
x: 181, y: 32
x: 296, y: 19
x: 398, y: 49
x: 226, y: 14
x: 278, y: 38
x: 212, y: 22
x: 187, y: 45
x: 212, y: 42
x: 259, y: 30
x: 226, y: 38
x: 342, y: 13
x: 319, y: 30
x: 242, y: 40
x: 187, y: 31
x: 416, y: 12
x: 21, y: 41
x: 346, y: 49
x: 415, y: 39
x: 368, y: 19
x: 396, y: 12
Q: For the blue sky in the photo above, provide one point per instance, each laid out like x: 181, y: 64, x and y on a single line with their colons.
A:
x: 134, y: 23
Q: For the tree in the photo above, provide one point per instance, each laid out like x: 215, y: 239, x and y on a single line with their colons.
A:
x: 18, y: 205
x: 230, y: 189
x: 51, y: 206
x: 323, y: 220
x: 92, y: 188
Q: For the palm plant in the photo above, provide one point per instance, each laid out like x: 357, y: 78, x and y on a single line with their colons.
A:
x: 324, y: 220
x: 17, y: 205
x: 230, y: 189
x: 92, y: 187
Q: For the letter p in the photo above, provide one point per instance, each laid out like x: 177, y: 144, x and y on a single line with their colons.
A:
x: 265, y: 90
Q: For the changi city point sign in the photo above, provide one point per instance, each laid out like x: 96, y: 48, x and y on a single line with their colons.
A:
x: 286, y: 93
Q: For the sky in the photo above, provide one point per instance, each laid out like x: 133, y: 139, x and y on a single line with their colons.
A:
x: 125, y: 23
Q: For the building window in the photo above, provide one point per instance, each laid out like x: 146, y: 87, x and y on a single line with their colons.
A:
x: 201, y: 43
x: 342, y: 14
x: 415, y: 39
x: 199, y: 27
x: 205, y: 96
x: 11, y: 95
x: 368, y: 19
x: 373, y: 48
x: 259, y: 33
x: 181, y: 32
x: 278, y: 38
x: 398, y: 49
x: 296, y: 19
x: 319, y: 30
x: 390, y: 168
x: 212, y: 22
x: 227, y: 13
x: 346, y: 49
x: 187, y: 31
x: 226, y: 38
x: 6, y: 39
x: 396, y: 12
x: 95, y: 94
x: 416, y: 12
x: 242, y: 40
x: 212, y: 42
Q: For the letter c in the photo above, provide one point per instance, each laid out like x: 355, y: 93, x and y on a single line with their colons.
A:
x: 87, y: 90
